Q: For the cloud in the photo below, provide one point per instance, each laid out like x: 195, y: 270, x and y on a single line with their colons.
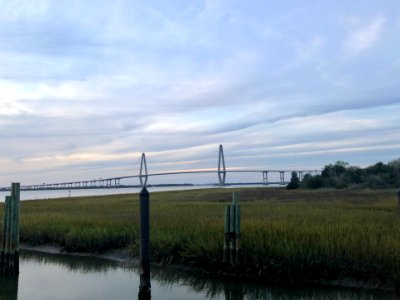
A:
x: 84, y: 91
x: 362, y: 36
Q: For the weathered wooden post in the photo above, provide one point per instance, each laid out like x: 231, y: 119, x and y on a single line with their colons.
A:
x: 15, y: 196
x: 144, y: 288
x: 232, y: 231
x: 4, y: 239
x: 11, y: 250
x: 9, y: 247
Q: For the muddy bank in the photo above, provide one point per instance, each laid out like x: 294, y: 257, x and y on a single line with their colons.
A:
x: 120, y: 256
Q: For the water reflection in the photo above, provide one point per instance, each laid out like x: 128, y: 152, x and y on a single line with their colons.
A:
x: 214, y: 288
x: 46, y: 276
x: 71, y: 263
x: 9, y: 288
x: 144, y: 288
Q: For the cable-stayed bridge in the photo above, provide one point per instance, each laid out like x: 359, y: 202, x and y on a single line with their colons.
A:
x: 143, y: 176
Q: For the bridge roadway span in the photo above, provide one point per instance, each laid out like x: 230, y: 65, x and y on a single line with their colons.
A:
x: 115, y: 181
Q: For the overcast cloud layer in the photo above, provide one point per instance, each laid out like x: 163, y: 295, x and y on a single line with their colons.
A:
x: 86, y: 86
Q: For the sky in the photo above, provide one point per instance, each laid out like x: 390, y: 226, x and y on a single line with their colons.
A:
x: 87, y: 86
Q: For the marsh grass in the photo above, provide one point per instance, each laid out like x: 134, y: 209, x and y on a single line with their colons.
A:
x: 287, y: 236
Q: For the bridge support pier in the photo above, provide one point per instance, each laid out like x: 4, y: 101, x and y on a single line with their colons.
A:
x: 265, y: 177
x: 282, y: 177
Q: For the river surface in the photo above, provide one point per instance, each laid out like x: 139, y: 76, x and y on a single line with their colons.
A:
x: 54, y: 276
x: 50, y: 194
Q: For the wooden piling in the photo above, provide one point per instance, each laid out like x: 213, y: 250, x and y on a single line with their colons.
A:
x: 4, y: 236
x: 15, y: 195
x: 144, y: 288
x: 7, y: 236
x: 12, y: 233
x: 9, y: 247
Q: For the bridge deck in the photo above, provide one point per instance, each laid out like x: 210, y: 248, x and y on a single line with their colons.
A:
x: 114, y: 182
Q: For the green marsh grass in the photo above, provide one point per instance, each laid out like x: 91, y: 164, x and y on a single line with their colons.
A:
x: 287, y: 236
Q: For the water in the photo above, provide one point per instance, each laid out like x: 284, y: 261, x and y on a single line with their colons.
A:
x: 51, y: 276
x: 50, y: 194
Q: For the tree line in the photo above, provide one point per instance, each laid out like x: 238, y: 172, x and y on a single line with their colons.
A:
x: 341, y: 175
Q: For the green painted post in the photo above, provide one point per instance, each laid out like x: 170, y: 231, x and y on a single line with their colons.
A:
x: 15, y: 194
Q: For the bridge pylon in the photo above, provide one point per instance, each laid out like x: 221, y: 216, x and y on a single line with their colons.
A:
x: 143, y: 168
x: 221, y: 166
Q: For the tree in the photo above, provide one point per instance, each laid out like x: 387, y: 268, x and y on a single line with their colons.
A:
x: 335, y: 170
x: 341, y: 175
x: 294, y: 182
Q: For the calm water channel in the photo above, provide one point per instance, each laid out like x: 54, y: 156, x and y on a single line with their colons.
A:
x: 51, y: 276
x: 51, y: 194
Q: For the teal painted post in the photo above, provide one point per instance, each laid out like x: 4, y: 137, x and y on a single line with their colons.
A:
x: 15, y: 195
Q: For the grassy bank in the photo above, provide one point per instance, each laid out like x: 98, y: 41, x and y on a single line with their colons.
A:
x: 287, y: 236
